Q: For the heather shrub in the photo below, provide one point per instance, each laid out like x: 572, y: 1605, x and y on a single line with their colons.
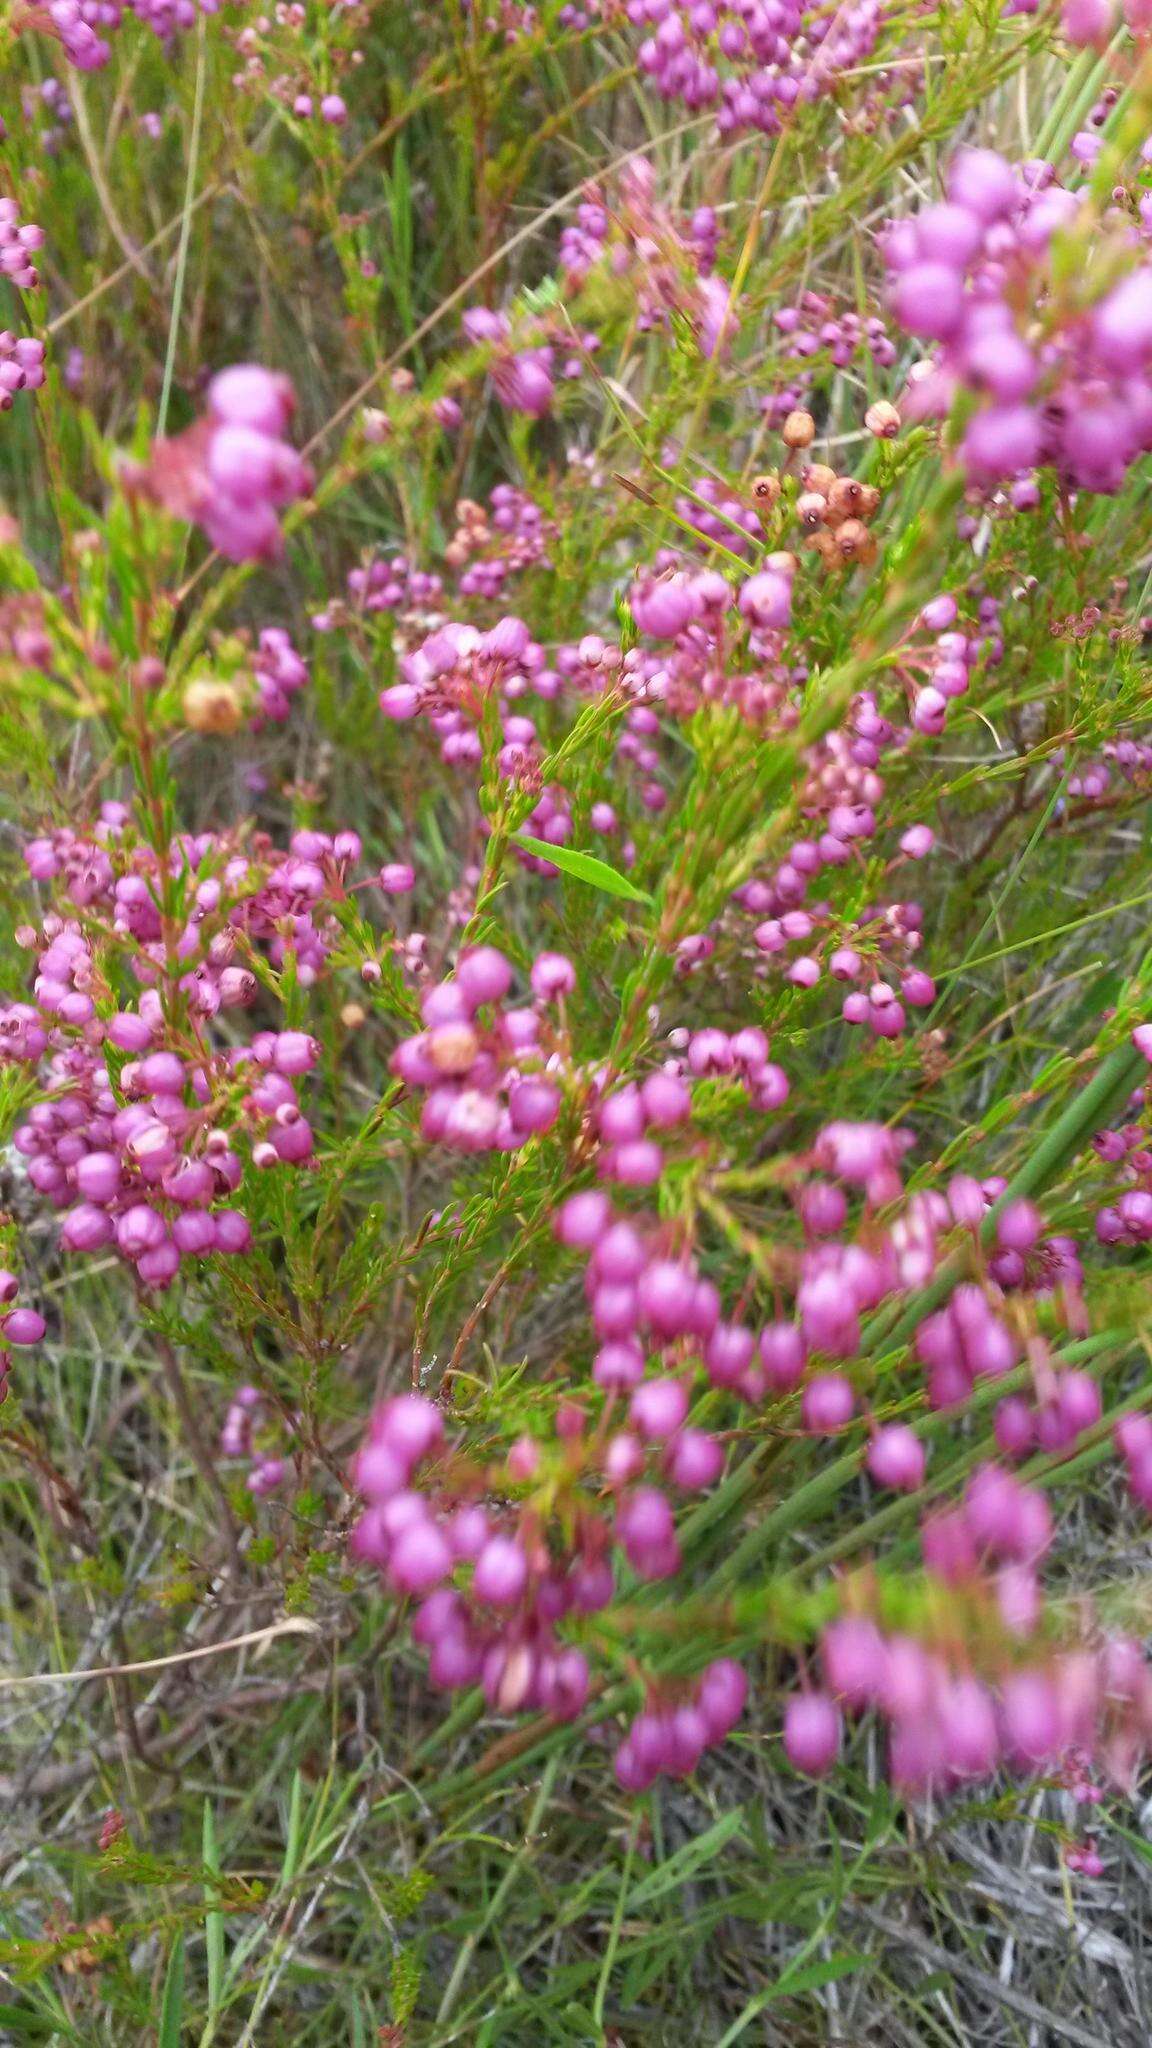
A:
x: 575, y: 1021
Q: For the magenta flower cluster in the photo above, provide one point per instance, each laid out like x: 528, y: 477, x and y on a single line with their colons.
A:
x: 510, y: 1555
x: 669, y: 1737
x: 135, y: 1138
x: 488, y: 1080
x: 667, y: 261
x: 389, y: 584
x: 82, y: 27
x: 266, y: 1471
x: 280, y: 673
x: 489, y: 1597
x: 21, y: 366
x: 234, y: 472
x: 1056, y: 385
x: 20, y: 1326
x: 948, y: 1724
x: 523, y: 378
x: 754, y: 61
x: 19, y: 241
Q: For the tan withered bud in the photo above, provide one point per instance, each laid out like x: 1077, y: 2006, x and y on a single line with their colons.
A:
x: 799, y: 430
x: 766, y: 490
x: 352, y: 1016
x: 213, y: 706
x: 783, y: 562
x: 823, y: 544
x: 869, y: 501
x: 516, y: 1680
x: 854, y: 543
x: 84, y: 1962
x: 457, y: 553
x: 816, y: 476
x: 452, y: 1048
x: 810, y: 509
x: 883, y: 420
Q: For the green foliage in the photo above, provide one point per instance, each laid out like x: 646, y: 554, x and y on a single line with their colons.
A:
x: 584, y: 867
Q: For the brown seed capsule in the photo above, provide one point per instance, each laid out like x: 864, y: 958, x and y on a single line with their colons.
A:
x: 844, y: 497
x: 824, y: 545
x: 799, y: 430
x: 854, y: 543
x: 766, y: 490
x: 883, y: 420
x: 869, y: 501
x: 816, y: 476
x: 810, y: 509
x: 212, y: 706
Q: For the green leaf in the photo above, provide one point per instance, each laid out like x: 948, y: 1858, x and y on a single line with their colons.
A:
x: 804, y: 1977
x: 405, y: 1985
x: 213, y: 1921
x: 937, y: 1980
x: 172, y: 2004
x: 583, y: 867
x: 540, y: 298
x: 813, y: 1975
x: 20, y: 2019
x: 687, y: 1862
x: 293, y: 1844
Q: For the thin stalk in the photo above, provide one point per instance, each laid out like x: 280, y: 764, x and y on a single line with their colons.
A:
x: 185, y: 228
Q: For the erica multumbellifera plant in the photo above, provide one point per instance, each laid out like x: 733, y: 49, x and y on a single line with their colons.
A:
x: 575, y: 1014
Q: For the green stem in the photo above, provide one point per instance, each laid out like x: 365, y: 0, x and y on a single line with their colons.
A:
x: 185, y: 229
